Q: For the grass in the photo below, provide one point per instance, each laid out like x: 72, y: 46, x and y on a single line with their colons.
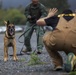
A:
x: 73, y: 73
x: 34, y: 59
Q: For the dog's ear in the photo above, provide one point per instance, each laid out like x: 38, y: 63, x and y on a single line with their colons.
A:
x: 5, y: 22
x: 8, y: 22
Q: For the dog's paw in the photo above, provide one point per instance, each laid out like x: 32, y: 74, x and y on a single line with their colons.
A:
x: 5, y: 59
x: 15, y: 58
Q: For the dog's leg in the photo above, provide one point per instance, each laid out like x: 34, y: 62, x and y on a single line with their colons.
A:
x: 5, y: 53
x: 14, y: 51
x: 5, y: 49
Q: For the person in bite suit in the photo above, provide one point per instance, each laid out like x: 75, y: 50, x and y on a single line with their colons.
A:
x: 62, y: 38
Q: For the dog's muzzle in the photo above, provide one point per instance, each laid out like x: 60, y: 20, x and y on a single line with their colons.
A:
x: 11, y: 30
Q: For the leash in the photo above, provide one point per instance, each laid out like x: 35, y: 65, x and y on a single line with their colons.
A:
x: 21, y: 36
x: 24, y: 33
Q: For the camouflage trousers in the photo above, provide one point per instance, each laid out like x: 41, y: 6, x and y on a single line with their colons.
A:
x: 27, y: 37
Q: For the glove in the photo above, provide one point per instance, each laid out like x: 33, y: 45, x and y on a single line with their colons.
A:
x: 33, y: 17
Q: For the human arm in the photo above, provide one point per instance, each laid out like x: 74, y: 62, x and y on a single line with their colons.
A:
x: 43, y: 10
x: 51, y: 13
x: 27, y: 12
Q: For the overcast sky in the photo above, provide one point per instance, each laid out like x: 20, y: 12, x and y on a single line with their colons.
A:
x: 73, y: 4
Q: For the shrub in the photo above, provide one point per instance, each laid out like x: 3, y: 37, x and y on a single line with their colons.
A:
x: 13, y: 15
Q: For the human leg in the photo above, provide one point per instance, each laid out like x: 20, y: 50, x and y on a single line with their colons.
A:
x: 27, y: 36
x: 39, y: 33
x: 56, y: 58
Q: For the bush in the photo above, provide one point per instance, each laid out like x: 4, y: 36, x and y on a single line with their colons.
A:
x: 2, y: 15
x: 13, y: 15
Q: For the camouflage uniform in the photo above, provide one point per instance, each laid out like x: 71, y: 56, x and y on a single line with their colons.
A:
x: 36, y: 12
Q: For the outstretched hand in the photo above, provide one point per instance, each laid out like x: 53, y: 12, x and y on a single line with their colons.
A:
x: 52, y: 12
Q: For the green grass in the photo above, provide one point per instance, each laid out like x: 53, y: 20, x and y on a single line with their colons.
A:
x: 73, y: 73
x: 34, y: 60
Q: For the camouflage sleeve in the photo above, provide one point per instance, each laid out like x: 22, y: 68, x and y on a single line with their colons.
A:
x: 27, y: 13
x: 43, y: 11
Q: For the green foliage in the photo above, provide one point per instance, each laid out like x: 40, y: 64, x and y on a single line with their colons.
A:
x: 34, y: 60
x: 73, y: 73
x: 13, y: 15
x: 2, y: 15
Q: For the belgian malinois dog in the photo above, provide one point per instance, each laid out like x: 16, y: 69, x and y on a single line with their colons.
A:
x: 9, y: 40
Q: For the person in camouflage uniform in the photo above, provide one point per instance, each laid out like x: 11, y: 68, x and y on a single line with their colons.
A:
x: 33, y: 12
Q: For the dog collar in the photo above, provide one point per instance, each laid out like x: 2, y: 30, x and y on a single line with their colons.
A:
x: 9, y: 37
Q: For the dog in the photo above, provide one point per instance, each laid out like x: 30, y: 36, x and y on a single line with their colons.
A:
x: 9, y: 40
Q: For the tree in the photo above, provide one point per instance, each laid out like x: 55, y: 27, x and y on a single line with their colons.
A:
x: 60, y: 4
x: 13, y: 15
